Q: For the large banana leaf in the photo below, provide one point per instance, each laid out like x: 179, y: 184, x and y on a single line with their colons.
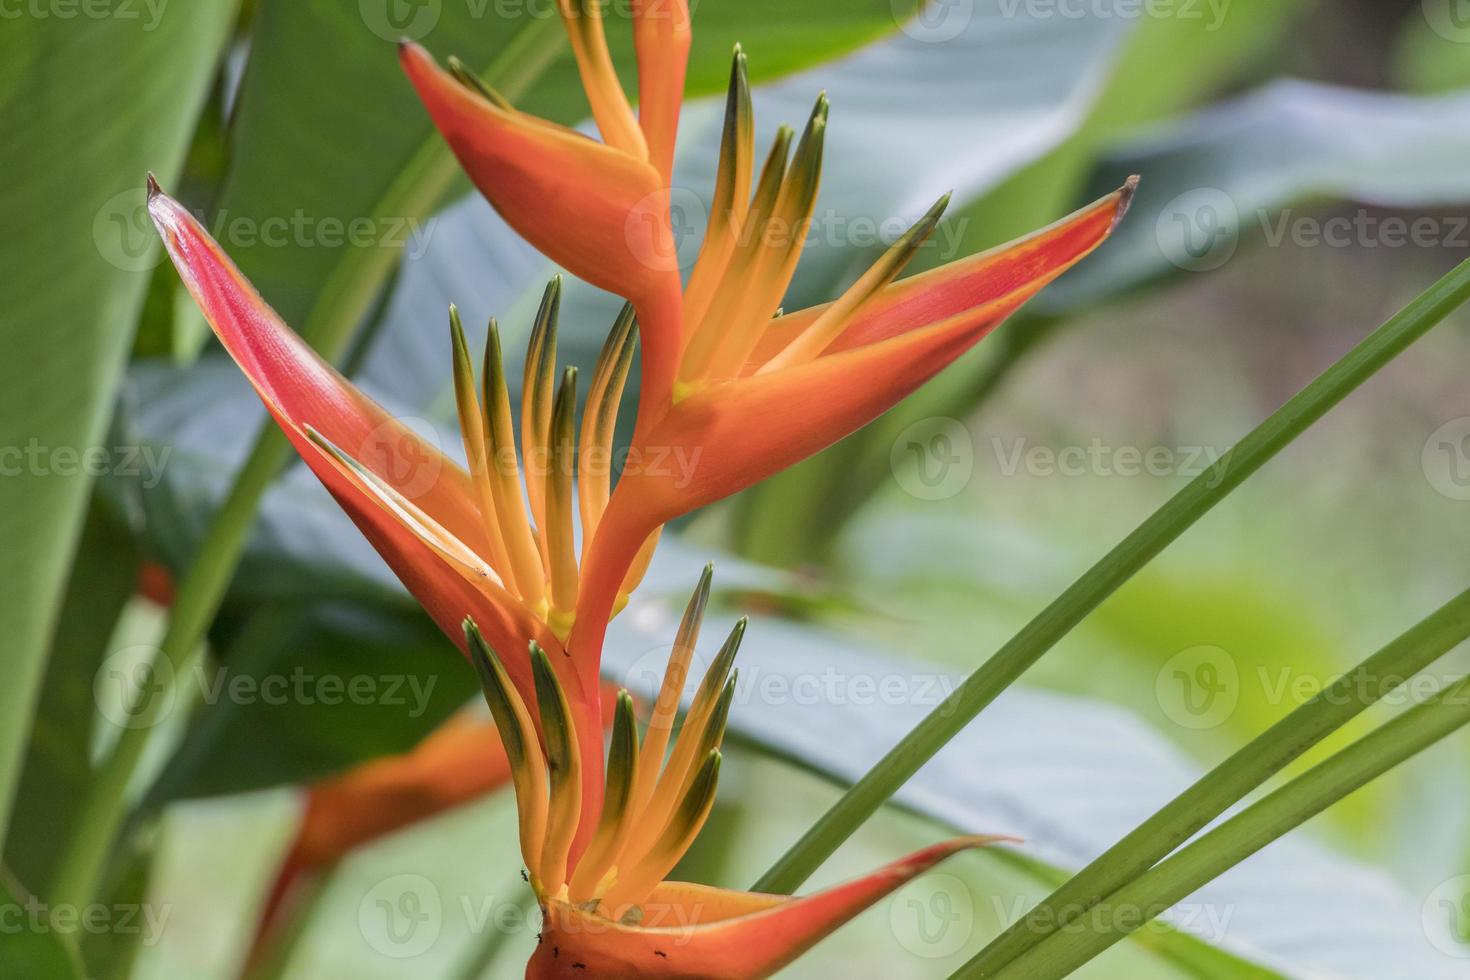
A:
x: 93, y: 103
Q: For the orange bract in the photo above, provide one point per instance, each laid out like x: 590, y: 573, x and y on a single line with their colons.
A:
x: 612, y: 914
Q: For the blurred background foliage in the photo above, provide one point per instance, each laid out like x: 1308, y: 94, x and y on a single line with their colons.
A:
x: 1288, y: 111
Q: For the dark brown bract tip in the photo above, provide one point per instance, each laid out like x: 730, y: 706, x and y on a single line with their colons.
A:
x: 1125, y: 198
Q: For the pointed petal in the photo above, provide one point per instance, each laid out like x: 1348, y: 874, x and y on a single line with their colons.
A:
x: 610, y: 108
x: 591, y: 208
x: 731, y: 200
x: 690, y: 931
x: 301, y: 390
x: 522, y: 748
x: 661, y: 36
x: 564, y: 813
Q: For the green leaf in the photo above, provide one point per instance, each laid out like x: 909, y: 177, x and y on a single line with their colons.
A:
x: 31, y: 947
x: 1429, y: 55
x: 303, y: 694
x: 89, y: 105
x: 111, y: 954
x: 58, y: 761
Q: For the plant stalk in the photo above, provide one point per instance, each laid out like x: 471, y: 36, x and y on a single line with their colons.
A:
x: 1153, y: 893
x: 1229, y: 783
x: 1140, y: 547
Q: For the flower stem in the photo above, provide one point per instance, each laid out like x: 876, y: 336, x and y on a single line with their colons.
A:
x: 1131, y: 907
x: 1104, y: 578
x: 1229, y: 782
x: 343, y: 302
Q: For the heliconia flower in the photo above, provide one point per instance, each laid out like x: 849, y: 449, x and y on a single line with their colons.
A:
x: 498, y: 542
x: 610, y: 913
x: 728, y: 379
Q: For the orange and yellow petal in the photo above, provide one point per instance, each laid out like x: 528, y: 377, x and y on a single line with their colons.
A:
x: 692, y: 932
x: 592, y: 208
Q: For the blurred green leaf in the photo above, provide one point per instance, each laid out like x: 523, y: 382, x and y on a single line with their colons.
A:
x: 58, y: 760
x: 303, y: 694
x: 110, y: 954
x: 1431, y: 52
x: 1220, y: 176
x: 95, y: 102
x: 31, y: 947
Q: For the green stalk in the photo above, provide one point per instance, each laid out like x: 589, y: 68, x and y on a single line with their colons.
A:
x: 1103, y: 579
x: 1128, y: 909
x: 344, y: 301
x: 1230, y: 782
